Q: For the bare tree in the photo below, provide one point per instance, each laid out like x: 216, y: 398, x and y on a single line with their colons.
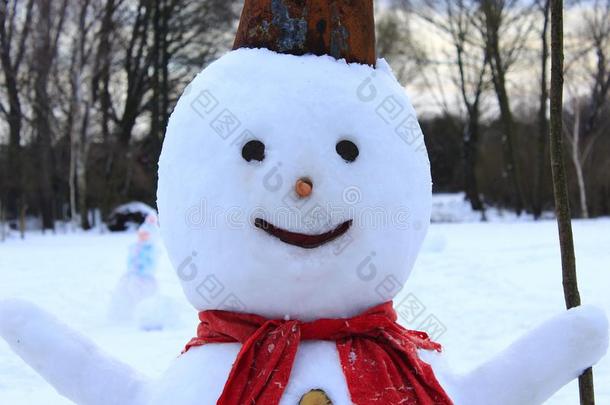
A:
x: 597, y: 23
x: 495, y: 17
x: 49, y: 23
x: 578, y: 158
x: 93, y: 83
x: 15, y: 28
x: 589, y: 119
x: 160, y: 46
x: 544, y: 7
x: 81, y: 99
x: 469, y: 60
x: 395, y: 43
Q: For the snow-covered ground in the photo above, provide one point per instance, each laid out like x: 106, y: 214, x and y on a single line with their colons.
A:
x: 478, y: 286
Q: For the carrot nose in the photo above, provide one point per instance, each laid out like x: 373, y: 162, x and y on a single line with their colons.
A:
x: 303, y: 187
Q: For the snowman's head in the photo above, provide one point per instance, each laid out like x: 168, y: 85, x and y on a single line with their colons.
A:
x: 293, y: 186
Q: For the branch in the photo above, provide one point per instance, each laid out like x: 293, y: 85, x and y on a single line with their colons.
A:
x: 25, y: 31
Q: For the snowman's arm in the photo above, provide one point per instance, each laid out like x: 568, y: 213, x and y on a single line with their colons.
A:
x: 74, y: 366
x: 536, y: 366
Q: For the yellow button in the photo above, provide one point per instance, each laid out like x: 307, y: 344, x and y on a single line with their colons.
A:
x: 315, y: 397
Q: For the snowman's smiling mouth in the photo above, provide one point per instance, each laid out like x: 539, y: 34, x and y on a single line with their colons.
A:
x: 302, y: 240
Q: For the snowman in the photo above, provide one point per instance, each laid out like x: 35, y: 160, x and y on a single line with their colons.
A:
x: 138, y: 284
x: 294, y: 195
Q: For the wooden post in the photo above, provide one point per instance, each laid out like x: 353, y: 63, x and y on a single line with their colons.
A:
x: 560, y: 184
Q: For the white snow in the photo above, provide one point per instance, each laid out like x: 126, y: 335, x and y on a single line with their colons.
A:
x: 453, y: 207
x: 498, y: 280
x: 135, y: 206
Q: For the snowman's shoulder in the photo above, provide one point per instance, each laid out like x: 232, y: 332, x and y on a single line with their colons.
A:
x: 197, y: 376
x: 444, y: 374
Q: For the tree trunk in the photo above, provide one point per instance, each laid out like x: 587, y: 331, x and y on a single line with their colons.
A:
x: 2, y: 222
x: 101, y: 91
x: 511, y: 165
x: 579, y: 162
x: 42, y: 126
x: 22, y: 212
x: 75, y: 118
x: 72, y: 179
x: 470, y: 158
x: 470, y: 137
x: 79, y: 125
x: 560, y: 184
x: 78, y: 160
x: 543, y: 124
x: 81, y: 171
x: 493, y: 21
x: 12, y: 49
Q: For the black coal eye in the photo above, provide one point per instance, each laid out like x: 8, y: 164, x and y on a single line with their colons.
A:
x: 347, y: 150
x: 253, y: 150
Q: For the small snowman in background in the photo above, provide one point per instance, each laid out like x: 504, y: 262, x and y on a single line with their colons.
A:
x: 138, y: 286
x: 144, y: 254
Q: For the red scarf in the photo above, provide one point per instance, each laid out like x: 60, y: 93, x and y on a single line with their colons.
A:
x: 378, y: 356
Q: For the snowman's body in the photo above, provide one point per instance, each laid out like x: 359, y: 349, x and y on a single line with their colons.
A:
x: 366, y: 216
x: 191, y: 380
